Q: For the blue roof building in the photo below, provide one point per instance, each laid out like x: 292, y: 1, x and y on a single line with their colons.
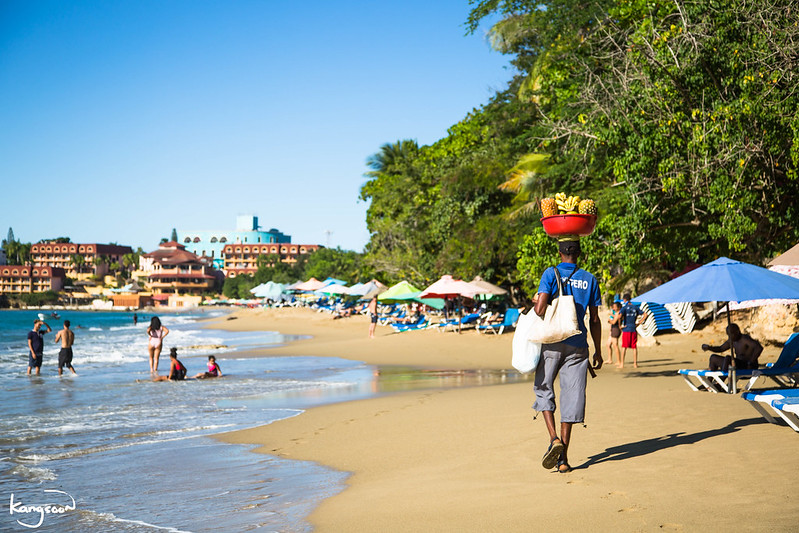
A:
x: 210, y: 243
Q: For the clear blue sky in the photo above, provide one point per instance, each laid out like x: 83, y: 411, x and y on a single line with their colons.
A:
x: 120, y: 120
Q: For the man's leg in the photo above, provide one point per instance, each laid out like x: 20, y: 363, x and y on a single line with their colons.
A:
x: 622, y: 356
x: 565, y: 437
x: 546, y: 371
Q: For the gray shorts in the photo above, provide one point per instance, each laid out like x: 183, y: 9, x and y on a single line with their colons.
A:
x: 572, y: 365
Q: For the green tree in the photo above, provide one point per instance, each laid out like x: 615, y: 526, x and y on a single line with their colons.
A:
x: 678, y: 117
x: 78, y: 261
x: 334, y: 263
x: 174, y: 237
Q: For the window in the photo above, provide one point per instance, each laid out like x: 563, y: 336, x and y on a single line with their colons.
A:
x: 223, y: 239
x: 196, y: 239
x: 187, y: 239
x: 214, y: 239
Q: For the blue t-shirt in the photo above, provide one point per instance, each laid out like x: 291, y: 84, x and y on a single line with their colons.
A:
x: 582, y: 285
x: 37, y: 341
x: 630, y: 314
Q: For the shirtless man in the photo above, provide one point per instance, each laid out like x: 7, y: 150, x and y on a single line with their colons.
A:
x: 67, y: 337
x: 747, y: 350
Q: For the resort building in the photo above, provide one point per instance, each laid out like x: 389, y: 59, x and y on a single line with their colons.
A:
x: 173, y: 270
x: 211, y: 243
x: 3, y: 259
x: 94, y: 258
x: 21, y: 279
x: 243, y: 258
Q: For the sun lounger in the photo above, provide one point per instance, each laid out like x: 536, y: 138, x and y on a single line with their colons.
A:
x: 782, y: 402
x: 508, y: 321
x: 469, y: 319
x: 421, y: 323
x: 783, y: 372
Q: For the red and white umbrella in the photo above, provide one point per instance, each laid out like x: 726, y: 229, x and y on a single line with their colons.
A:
x: 448, y: 287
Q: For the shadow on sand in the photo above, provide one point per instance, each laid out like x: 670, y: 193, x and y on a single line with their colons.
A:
x: 645, y: 447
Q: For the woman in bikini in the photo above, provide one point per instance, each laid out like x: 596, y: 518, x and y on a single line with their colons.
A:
x: 615, y: 332
x: 156, y: 333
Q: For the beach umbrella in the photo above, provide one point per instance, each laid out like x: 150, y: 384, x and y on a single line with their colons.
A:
x: 724, y: 280
x: 333, y: 288
x: 492, y: 290
x: 397, y: 292
x: 448, y: 287
x: 269, y: 290
x: 362, y: 289
x: 310, y: 285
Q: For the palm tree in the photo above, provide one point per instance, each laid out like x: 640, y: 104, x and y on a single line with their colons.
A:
x: 391, y: 156
x: 524, y: 180
x: 78, y: 261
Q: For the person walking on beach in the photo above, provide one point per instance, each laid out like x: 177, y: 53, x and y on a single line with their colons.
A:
x: 36, y: 345
x: 135, y: 319
x: 67, y: 338
x: 372, y: 309
x: 615, y: 332
x: 568, y: 358
x: 156, y: 333
x: 629, y: 334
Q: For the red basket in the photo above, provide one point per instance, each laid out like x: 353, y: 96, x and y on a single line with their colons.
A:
x: 561, y: 225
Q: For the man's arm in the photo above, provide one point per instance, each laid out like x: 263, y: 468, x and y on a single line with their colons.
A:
x: 541, y: 303
x: 30, y: 347
x: 717, y: 349
x: 58, y: 336
x: 595, y: 325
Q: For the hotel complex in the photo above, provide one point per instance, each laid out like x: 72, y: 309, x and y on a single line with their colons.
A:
x: 193, y: 266
x: 211, y: 243
x: 63, y: 255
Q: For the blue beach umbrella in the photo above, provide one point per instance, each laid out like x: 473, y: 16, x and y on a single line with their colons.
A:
x: 724, y: 280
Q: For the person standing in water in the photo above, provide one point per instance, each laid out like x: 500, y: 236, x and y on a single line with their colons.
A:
x: 67, y: 338
x: 156, y: 333
x: 36, y: 345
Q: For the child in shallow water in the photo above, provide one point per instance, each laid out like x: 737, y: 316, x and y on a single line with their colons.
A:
x: 177, y: 371
x: 213, y: 369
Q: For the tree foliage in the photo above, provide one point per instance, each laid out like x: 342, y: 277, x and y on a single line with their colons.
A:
x: 678, y: 117
x: 439, y: 209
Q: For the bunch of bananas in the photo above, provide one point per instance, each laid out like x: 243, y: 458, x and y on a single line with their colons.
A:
x: 567, y: 204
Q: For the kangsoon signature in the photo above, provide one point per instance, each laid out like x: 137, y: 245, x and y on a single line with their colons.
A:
x: 43, y: 509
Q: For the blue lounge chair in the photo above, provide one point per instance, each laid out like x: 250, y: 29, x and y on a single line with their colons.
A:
x: 781, y: 372
x: 782, y: 402
x: 508, y: 321
x: 466, y: 320
x: 421, y: 323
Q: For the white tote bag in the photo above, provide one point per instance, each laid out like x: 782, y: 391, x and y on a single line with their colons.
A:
x: 560, y: 320
x: 525, y: 352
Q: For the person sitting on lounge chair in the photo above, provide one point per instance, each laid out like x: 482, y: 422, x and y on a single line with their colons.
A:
x: 747, y: 350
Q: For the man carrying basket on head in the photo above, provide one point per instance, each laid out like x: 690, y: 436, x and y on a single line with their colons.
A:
x: 569, y: 358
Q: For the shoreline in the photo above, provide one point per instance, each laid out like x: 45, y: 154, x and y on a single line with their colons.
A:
x: 653, y: 456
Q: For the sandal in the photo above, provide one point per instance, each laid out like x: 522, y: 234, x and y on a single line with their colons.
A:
x: 553, y: 454
x: 561, y: 469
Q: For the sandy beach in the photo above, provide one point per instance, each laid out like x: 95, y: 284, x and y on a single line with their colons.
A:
x: 653, y: 455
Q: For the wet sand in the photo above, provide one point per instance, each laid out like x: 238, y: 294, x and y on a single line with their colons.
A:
x: 653, y: 455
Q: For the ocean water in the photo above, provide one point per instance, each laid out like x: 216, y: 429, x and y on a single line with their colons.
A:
x: 135, y: 455
x: 109, y: 450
